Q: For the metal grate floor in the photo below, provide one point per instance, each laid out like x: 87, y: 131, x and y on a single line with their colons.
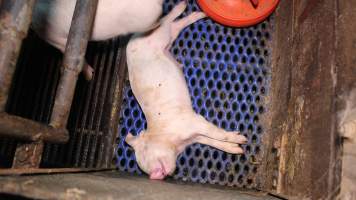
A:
x: 227, y: 71
x: 90, y: 121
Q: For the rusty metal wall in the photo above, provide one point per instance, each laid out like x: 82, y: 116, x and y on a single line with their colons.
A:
x: 305, y: 147
x: 90, y: 122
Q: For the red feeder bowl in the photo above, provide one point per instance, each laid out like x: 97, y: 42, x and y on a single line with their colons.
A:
x: 238, y: 13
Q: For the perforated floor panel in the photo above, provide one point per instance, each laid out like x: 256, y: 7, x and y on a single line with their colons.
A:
x: 227, y: 71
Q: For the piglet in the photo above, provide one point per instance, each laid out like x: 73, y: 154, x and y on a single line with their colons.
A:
x: 158, y: 84
x: 51, y: 20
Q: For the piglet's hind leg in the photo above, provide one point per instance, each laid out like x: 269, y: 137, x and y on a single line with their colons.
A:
x: 224, y: 146
x: 207, y: 129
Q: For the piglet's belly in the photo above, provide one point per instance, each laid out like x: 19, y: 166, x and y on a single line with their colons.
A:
x: 156, y: 91
x: 161, y: 95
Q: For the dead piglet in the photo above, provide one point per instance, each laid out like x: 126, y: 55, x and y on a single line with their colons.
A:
x: 158, y: 84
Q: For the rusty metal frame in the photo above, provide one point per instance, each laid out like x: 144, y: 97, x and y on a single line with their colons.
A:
x: 14, y: 23
x: 28, y: 130
x: 15, y: 19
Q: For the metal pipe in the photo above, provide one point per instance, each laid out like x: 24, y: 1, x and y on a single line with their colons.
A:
x: 73, y: 62
x: 15, y: 18
x: 28, y: 130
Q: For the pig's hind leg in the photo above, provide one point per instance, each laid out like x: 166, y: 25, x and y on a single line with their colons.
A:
x: 224, y: 146
x: 204, y: 128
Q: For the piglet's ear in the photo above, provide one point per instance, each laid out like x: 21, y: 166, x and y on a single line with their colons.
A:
x: 131, y: 140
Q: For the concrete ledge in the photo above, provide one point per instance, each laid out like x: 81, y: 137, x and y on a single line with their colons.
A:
x: 115, y: 185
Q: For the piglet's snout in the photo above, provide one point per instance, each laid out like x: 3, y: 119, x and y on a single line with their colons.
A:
x: 157, y: 174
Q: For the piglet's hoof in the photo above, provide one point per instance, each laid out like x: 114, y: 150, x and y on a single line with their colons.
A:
x: 88, y: 72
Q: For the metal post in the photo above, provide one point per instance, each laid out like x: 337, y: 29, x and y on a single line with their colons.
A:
x: 73, y: 62
x: 15, y: 18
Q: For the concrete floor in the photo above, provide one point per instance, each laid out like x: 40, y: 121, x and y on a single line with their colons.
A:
x: 114, y: 185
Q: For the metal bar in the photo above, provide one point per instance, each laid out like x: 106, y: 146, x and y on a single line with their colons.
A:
x: 52, y: 92
x: 94, y: 110
x: 43, y: 116
x: 15, y: 18
x: 97, y: 125
x: 40, y: 90
x: 77, y: 42
x: 80, y: 122
x: 6, y: 172
x: 28, y: 130
x: 120, y: 74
